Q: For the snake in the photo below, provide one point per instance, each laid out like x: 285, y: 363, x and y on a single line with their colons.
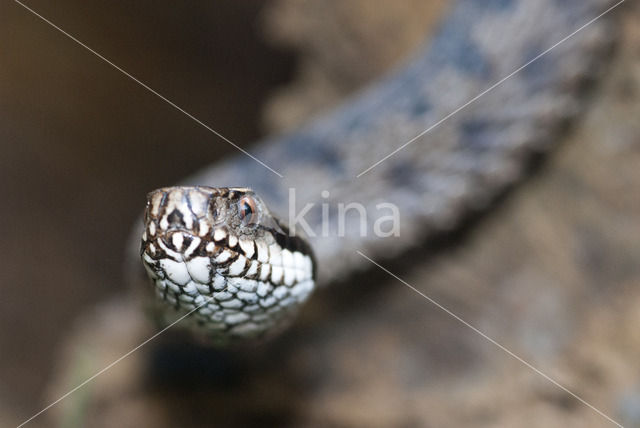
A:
x: 429, y: 145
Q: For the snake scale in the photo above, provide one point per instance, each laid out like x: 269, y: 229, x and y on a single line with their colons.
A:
x: 222, y: 253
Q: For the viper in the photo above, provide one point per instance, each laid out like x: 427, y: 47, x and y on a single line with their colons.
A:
x: 439, y: 139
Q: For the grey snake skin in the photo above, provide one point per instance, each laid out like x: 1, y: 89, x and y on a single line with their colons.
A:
x: 444, y: 176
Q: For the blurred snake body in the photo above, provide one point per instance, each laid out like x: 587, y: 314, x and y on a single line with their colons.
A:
x: 244, y: 279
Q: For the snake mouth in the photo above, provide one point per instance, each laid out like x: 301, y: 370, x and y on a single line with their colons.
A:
x: 176, y: 242
x: 179, y: 242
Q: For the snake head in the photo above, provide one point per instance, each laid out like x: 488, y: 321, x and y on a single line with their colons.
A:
x: 179, y: 219
x: 220, y: 253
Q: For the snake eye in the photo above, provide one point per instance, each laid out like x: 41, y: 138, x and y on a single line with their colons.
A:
x: 247, y: 210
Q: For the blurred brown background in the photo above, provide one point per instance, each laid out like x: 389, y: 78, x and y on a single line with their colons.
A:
x: 82, y: 144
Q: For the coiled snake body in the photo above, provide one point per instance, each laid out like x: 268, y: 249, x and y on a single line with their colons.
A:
x: 473, y: 150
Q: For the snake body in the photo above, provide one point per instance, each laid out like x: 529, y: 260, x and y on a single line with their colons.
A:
x: 436, y: 181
